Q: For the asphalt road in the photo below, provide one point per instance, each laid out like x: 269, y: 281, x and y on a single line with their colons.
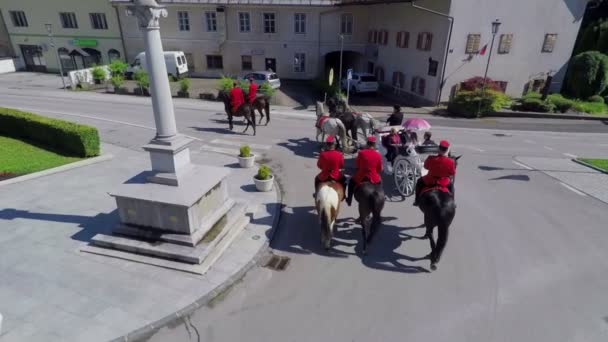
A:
x: 526, y: 259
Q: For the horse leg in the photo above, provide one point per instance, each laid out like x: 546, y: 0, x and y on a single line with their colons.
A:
x: 442, y: 239
x: 230, y: 121
x: 267, y: 110
x: 261, y: 115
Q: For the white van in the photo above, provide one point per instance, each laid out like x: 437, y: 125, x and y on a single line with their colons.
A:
x: 175, y: 61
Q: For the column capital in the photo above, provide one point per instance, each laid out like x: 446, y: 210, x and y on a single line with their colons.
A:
x: 147, y: 16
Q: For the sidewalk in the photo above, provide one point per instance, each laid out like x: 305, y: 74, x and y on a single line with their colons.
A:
x: 49, y: 291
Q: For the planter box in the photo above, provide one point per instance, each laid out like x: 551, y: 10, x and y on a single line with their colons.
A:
x: 246, y: 162
x: 263, y: 185
x: 183, y: 94
x: 138, y: 91
x: 207, y: 96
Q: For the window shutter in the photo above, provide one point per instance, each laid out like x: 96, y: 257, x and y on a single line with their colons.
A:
x: 421, y: 86
x: 375, y: 37
x: 429, y: 42
x: 385, y: 42
x: 398, y: 40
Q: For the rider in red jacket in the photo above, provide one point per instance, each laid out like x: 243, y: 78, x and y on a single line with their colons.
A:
x: 237, y: 98
x: 441, y: 171
x: 253, y: 90
x: 369, y: 167
x: 331, y: 163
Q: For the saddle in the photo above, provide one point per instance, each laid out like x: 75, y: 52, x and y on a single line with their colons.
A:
x: 321, y: 121
x: 428, y: 188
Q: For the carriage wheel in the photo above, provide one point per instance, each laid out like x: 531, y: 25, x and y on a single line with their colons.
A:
x: 405, y: 177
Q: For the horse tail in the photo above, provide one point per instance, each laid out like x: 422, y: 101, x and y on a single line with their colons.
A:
x: 267, y: 108
x: 327, y: 208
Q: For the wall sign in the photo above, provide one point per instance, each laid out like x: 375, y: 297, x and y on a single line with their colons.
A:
x: 85, y: 43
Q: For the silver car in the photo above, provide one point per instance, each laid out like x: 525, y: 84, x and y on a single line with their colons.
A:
x: 261, y: 77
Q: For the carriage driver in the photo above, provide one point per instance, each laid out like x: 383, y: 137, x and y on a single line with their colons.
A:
x: 331, y: 163
x: 441, y: 169
x: 253, y: 91
x: 369, y: 167
x: 237, y: 98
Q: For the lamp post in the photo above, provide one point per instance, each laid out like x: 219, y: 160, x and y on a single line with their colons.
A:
x: 495, y: 26
x: 341, y: 52
x: 49, y: 29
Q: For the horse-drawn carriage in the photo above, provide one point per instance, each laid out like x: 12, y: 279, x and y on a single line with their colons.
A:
x: 407, y: 167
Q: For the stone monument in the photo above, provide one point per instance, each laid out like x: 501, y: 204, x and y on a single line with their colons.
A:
x: 177, y: 214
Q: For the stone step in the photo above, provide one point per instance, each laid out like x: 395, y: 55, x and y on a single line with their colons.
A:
x: 235, y: 219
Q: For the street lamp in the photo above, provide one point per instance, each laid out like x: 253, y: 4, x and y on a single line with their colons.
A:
x: 341, y: 52
x: 495, y: 26
x: 49, y: 29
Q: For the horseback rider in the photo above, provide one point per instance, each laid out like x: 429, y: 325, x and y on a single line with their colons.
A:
x: 396, y: 117
x: 369, y: 167
x: 237, y: 98
x: 253, y: 90
x: 331, y: 163
x: 441, y: 169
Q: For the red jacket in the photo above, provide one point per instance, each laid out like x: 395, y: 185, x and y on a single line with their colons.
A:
x: 253, y: 90
x: 237, y: 98
x: 330, y: 163
x: 369, y: 165
x: 441, y: 168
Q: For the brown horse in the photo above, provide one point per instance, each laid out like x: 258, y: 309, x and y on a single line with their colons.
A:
x: 328, y: 197
x: 245, y: 111
x: 262, y: 104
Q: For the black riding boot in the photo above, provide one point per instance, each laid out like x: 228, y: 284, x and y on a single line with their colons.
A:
x: 317, y: 181
x: 419, y: 186
x: 350, y: 192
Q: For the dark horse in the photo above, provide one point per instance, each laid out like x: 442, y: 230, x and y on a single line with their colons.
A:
x: 262, y: 105
x: 439, y: 209
x: 371, y: 202
x: 338, y: 109
x: 245, y: 111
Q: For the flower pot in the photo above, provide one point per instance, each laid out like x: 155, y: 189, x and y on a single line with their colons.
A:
x: 263, y: 185
x: 246, y: 162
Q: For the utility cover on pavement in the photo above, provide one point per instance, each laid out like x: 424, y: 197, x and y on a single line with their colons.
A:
x: 277, y: 262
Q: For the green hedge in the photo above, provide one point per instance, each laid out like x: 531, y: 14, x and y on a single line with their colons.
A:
x: 66, y: 137
x: 466, y: 103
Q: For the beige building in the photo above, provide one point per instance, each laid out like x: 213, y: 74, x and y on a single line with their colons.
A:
x: 85, y: 32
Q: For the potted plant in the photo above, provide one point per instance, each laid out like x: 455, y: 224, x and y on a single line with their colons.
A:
x: 117, y: 82
x: 143, y: 83
x: 263, y: 179
x: 184, y: 86
x: 246, y: 159
x: 99, y: 75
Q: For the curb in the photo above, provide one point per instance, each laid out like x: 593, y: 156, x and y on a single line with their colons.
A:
x: 544, y: 116
x: 148, y: 330
x: 62, y: 168
x: 590, y: 166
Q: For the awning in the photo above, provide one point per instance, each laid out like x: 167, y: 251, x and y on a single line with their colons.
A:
x: 79, y: 51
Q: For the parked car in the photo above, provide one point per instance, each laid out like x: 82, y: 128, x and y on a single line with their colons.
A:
x: 176, y: 63
x: 261, y: 77
x: 361, y: 83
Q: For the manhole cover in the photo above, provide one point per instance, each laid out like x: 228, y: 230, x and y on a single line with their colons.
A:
x: 277, y: 263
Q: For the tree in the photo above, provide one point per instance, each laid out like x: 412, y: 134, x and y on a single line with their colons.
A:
x: 587, y: 74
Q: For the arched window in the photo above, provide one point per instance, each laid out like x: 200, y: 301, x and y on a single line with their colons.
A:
x: 113, y: 55
x: 379, y: 74
x: 398, y: 79
x: 67, y: 62
x: 93, y: 58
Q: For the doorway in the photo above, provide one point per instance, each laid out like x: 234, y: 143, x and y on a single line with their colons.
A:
x: 33, y: 58
x: 271, y: 64
x: 370, y: 67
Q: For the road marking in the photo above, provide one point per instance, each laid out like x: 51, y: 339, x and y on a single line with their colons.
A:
x: 548, y: 148
x: 207, y: 148
x: 522, y: 165
x: 239, y: 144
x: 573, y: 189
x: 529, y: 141
x: 570, y: 155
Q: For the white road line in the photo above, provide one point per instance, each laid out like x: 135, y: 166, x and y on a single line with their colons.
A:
x: 570, y: 155
x: 239, y: 143
x: 522, y: 165
x: 548, y: 148
x: 573, y: 189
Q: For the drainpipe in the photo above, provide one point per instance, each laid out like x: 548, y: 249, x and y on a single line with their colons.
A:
x: 447, y: 45
x: 122, y: 37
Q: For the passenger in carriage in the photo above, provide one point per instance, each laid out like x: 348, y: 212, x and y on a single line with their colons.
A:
x: 428, y: 140
x: 392, y: 144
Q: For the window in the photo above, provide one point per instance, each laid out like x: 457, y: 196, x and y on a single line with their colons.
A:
x: 504, y: 46
x: 346, y: 24
x: 98, y: 21
x: 211, y: 20
x: 473, y: 42
x: 300, y: 23
x: 215, y: 62
x: 190, y: 60
x: 299, y: 62
x: 549, y: 43
x: 370, y: 36
x: 398, y: 79
x: 246, y: 63
x: 379, y: 72
x: 183, y: 21
x: 403, y: 39
x: 433, y: 64
x: 375, y: 40
x: 19, y: 19
x: 113, y: 55
x: 383, y: 37
x: 269, y: 23
x: 68, y: 20
x: 425, y: 41
x: 418, y: 85
x: 244, y: 22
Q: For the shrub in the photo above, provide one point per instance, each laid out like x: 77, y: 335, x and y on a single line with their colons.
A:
x: 267, y: 90
x: 118, y: 68
x: 117, y: 81
x: 587, y: 75
x: 535, y: 105
x: 561, y: 103
x: 596, y: 99
x: 66, y: 137
x: 533, y: 95
x: 466, y: 103
x: 244, y: 85
x: 184, y: 85
x: 225, y: 84
x: 264, y: 173
x: 142, y: 80
x: 475, y: 83
x: 99, y: 74
x: 590, y: 107
x: 245, y: 151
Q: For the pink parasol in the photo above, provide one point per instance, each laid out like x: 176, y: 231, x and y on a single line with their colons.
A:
x: 417, y: 125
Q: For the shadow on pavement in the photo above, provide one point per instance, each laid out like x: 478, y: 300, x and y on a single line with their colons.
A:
x: 303, y: 147
x: 219, y: 130
x: 523, y: 178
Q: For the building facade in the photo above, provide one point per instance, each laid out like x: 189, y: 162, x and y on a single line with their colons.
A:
x: 85, y: 33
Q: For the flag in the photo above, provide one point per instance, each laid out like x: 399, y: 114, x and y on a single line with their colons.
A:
x: 483, y: 50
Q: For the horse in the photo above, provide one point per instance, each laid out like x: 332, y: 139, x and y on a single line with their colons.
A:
x: 371, y: 202
x: 439, y: 209
x: 366, y: 123
x: 327, y: 200
x: 333, y: 127
x: 244, y: 110
x: 262, y: 104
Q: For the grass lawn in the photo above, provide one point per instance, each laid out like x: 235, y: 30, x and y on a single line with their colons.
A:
x: 19, y: 158
x: 599, y: 163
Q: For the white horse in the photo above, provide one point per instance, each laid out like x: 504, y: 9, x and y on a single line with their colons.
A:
x: 366, y: 123
x: 328, y: 199
x: 332, y: 127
